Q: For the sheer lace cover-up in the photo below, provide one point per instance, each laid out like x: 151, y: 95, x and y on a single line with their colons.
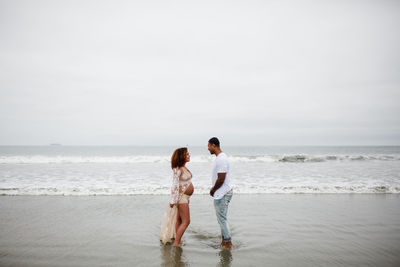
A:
x: 181, y: 179
x: 180, y: 182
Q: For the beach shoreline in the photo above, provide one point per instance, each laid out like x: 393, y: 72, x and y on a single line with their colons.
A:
x: 281, y: 229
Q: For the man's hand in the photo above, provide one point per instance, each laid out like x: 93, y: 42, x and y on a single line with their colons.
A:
x: 212, y: 191
x: 171, y: 205
x: 218, y: 183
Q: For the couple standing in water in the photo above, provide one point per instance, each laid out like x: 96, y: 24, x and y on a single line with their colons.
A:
x: 177, y: 217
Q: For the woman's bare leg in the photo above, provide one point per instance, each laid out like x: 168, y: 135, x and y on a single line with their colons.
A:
x: 178, y: 222
x: 184, y: 215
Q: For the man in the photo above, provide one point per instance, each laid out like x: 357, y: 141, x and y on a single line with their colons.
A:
x: 221, y: 190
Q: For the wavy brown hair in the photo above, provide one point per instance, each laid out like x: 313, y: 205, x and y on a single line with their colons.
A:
x: 178, y: 158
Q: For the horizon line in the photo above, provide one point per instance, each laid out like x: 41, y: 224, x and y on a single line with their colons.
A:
x: 196, y: 145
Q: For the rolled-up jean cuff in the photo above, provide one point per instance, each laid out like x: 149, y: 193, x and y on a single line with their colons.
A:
x: 228, y: 240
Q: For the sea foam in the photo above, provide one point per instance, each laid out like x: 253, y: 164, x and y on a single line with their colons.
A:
x: 299, y: 158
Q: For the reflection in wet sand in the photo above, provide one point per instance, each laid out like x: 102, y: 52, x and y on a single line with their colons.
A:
x: 172, y: 256
x: 225, y: 257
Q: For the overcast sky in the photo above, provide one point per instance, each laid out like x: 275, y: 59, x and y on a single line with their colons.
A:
x: 179, y: 72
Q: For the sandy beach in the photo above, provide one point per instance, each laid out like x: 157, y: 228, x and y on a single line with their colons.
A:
x: 267, y: 230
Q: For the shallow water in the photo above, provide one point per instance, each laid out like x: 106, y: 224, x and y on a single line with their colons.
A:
x: 267, y: 229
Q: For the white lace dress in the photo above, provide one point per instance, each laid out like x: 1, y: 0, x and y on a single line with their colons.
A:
x: 167, y: 231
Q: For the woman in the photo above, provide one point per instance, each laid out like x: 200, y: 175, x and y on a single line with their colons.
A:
x: 181, y: 190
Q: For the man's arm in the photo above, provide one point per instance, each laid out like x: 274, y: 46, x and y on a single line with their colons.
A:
x: 218, y: 183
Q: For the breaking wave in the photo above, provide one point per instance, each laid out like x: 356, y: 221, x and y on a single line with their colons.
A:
x: 165, y: 190
x: 164, y: 159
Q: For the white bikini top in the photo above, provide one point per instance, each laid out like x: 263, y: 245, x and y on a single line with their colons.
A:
x: 185, y: 177
x: 180, y: 177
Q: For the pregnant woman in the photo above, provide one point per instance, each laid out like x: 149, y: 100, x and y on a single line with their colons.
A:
x: 181, y: 190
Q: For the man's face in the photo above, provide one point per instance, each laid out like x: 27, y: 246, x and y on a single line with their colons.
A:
x: 211, y: 148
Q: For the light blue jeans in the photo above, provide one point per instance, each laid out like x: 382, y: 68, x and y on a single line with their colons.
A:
x: 221, y: 210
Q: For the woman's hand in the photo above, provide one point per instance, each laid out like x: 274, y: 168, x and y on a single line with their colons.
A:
x: 171, y: 205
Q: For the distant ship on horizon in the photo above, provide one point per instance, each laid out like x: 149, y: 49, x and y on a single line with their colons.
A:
x: 55, y: 144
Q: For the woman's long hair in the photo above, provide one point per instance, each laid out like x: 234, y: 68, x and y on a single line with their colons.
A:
x: 178, y: 158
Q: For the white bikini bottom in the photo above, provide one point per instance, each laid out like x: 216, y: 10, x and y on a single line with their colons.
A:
x: 184, y: 199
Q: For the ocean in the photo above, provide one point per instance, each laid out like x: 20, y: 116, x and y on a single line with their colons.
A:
x: 141, y: 170
x: 292, y: 206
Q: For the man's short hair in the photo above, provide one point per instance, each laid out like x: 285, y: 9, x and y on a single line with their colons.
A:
x: 214, y: 141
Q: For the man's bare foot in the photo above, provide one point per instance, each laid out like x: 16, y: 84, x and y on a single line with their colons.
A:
x: 228, y: 245
x: 223, y: 242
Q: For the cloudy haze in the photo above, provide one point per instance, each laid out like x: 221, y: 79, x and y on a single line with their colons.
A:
x: 179, y: 72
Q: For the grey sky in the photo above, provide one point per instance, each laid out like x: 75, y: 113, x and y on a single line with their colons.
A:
x: 179, y: 72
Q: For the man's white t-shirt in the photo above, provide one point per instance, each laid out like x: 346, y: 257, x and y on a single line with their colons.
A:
x: 221, y: 165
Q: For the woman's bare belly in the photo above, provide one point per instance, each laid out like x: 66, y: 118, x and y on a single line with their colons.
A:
x: 189, y: 190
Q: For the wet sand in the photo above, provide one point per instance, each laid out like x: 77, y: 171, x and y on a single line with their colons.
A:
x: 267, y: 230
